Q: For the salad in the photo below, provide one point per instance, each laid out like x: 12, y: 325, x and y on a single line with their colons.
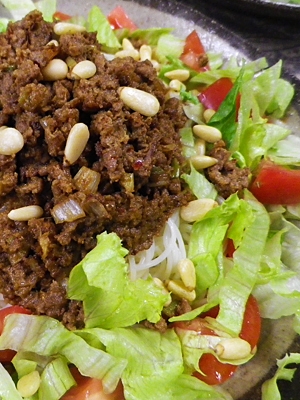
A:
x: 178, y: 319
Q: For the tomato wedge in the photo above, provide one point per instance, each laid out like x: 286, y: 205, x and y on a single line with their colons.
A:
x: 194, y: 52
x: 7, y: 355
x: 214, y: 95
x: 91, y: 389
x: 118, y: 19
x: 214, y: 371
x: 61, y: 16
x: 275, y: 184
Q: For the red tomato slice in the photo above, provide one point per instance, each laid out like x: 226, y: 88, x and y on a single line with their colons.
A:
x: 214, y: 371
x: 91, y: 389
x: 61, y: 16
x: 7, y: 355
x: 230, y: 249
x: 213, y: 96
x: 193, y: 51
x: 275, y: 184
x: 118, y: 19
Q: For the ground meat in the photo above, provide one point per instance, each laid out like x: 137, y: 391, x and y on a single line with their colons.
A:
x: 37, y: 256
x: 227, y: 177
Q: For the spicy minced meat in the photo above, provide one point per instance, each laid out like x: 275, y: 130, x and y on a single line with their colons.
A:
x: 226, y: 175
x: 36, y: 256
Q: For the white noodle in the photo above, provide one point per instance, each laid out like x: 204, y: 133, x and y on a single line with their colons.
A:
x: 162, y: 258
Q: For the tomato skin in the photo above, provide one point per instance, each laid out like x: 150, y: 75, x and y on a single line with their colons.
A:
x: 193, y: 51
x: 213, y: 96
x: 118, y: 19
x: 275, y: 184
x: 7, y: 355
x: 230, y: 249
x: 251, y: 328
x: 61, y: 16
x: 91, y: 389
x: 215, y: 372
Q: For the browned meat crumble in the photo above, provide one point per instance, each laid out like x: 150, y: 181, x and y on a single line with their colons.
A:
x: 37, y: 256
x: 227, y: 177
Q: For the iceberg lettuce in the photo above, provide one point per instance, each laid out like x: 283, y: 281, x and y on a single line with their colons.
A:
x: 110, y: 298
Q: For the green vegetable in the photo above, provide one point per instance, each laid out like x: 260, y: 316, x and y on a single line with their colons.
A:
x: 160, y: 374
x: 97, y: 22
x: 270, y: 389
x: 109, y: 298
x: 199, y: 185
x: 225, y: 118
x: 8, y: 389
x: 48, y: 338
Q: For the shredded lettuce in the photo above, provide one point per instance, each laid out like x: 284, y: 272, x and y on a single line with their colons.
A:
x: 199, y: 185
x: 285, y: 151
x: 18, y: 9
x: 8, y: 389
x: 270, y: 389
x: 168, y: 45
x: 160, y: 374
x: 109, y: 298
x: 47, y: 337
x: 97, y: 22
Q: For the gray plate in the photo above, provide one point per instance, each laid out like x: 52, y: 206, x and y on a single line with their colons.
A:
x: 277, y: 337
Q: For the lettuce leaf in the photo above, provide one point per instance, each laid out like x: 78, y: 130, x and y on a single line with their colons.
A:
x: 97, y: 22
x: 18, y: 9
x: 8, y: 390
x: 110, y: 298
x: 198, y: 184
x: 47, y: 337
x: 270, y: 389
x: 286, y: 151
x: 160, y: 374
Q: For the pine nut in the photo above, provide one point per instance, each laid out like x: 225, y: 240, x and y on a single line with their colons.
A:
x: 145, y: 52
x: 178, y: 74
x: 64, y: 28
x: 25, y: 213
x: 53, y: 42
x: 55, y: 70
x: 195, y: 210
x: 172, y: 93
x: 128, y: 53
x: 208, y: 133
x: 200, y: 147
x: 29, y: 384
x: 208, y: 114
x: 233, y: 349
x: 127, y: 45
x: 140, y: 101
x: 155, y: 64
x: 84, y: 70
x: 11, y: 141
x: 70, y: 62
x: 178, y: 288
x: 76, y: 142
x: 200, y: 162
x: 187, y: 273
x: 176, y: 85
x: 160, y: 284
